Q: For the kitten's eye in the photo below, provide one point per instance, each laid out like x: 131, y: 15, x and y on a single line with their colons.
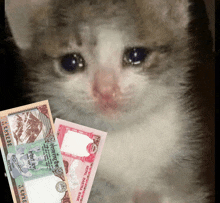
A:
x: 135, y: 56
x: 73, y: 62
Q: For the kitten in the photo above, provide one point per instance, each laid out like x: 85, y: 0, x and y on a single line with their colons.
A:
x: 121, y: 66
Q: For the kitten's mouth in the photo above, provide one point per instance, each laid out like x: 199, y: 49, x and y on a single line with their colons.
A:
x: 108, y: 107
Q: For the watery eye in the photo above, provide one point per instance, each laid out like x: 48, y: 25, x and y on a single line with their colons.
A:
x: 73, y: 62
x: 135, y: 56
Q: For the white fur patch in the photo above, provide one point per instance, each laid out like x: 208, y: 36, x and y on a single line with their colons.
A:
x: 142, y: 149
x: 110, y: 47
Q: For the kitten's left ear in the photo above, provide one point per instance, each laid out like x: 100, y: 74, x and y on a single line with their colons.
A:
x: 175, y: 13
x: 19, y: 13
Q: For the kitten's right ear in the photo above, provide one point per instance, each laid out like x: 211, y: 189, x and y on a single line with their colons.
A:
x: 19, y: 13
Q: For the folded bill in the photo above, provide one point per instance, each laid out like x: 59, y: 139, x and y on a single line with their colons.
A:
x: 81, y: 149
x: 31, y: 154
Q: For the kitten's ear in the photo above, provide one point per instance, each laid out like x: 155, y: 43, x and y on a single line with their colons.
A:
x: 173, y: 12
x: 19, y: 13
x: 177, y: 12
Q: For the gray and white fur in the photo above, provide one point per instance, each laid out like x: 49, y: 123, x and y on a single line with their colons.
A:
x: 152, y: 152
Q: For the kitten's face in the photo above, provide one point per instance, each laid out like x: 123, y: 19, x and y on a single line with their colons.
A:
x: 112, y: 66
x: 101, y: 83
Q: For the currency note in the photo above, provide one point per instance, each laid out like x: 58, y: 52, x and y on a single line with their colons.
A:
x: 81, y: 149
x: 31, y: 155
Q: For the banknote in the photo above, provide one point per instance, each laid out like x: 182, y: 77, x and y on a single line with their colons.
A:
x: 31, y: 155
x: 81, y: 149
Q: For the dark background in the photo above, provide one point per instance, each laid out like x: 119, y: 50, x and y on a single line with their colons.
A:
x: 11, y: 93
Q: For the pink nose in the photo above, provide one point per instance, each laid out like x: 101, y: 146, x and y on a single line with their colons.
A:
x: 105, y: 86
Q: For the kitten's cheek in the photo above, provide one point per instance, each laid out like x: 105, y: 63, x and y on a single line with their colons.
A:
x: 105, y: 90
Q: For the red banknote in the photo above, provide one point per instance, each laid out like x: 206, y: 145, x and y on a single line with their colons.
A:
x: 81, y: 149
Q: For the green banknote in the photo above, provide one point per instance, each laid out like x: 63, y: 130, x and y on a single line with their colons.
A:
x: 32, y: 157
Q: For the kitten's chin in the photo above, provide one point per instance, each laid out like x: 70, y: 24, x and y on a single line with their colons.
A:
x: 110, y: 111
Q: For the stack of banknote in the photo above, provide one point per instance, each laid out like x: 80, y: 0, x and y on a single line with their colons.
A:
x: 46, y: 162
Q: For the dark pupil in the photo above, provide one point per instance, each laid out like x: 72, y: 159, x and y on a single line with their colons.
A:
x: 72, y: 62
x: 136, y: 55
